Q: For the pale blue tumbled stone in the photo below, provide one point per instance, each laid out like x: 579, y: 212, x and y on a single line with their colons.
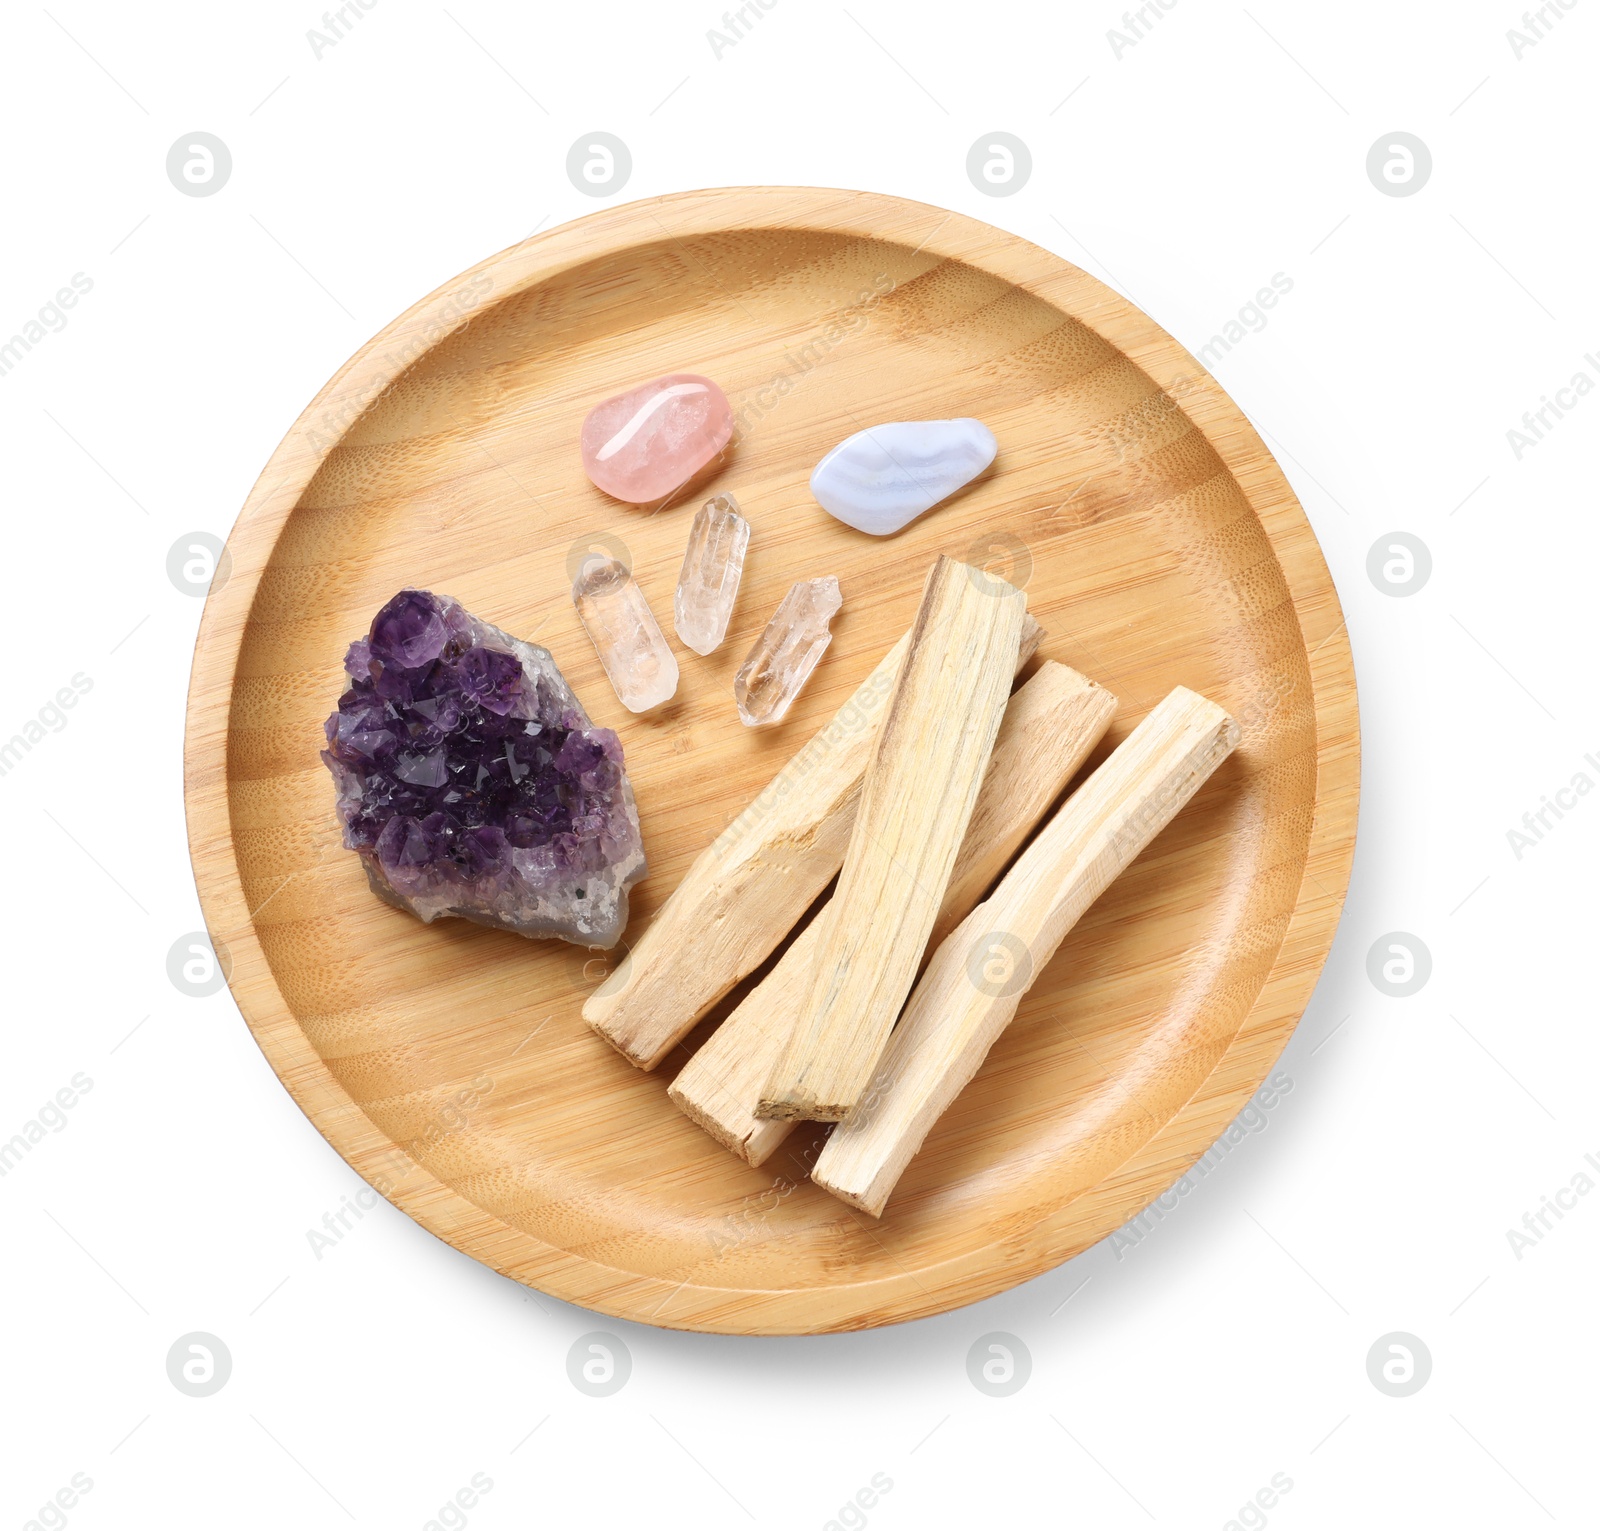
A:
x: 886, y: 476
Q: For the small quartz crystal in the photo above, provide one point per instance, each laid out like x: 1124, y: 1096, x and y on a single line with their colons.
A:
x: 713, y: 564
x: 642, y: 445
x: 784, y: 656
x: 625, y: 634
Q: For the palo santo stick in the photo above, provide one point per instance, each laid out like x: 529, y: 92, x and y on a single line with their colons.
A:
x: 916, y: 799
x: 749, y: 888
x: 1050, y: 726
x: 977, y: 978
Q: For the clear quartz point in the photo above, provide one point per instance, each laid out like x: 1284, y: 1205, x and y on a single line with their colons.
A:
x: 713, y: 564
x: 784, y: 656
x: 625, y: 634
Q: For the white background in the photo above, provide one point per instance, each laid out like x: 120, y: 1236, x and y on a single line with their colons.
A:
x: 1170, y: 1381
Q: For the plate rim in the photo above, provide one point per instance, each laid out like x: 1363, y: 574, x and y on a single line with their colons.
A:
x: 1070, y: 1228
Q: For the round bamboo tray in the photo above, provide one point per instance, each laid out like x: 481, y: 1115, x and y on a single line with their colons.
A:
x: 1160, y: 545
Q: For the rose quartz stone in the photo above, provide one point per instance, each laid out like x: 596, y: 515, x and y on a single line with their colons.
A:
x: 645, y: 443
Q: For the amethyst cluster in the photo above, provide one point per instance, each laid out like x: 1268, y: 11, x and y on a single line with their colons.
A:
x: 471, y: 782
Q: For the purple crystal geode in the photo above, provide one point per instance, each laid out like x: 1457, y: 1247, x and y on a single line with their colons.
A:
x: 471, y: 781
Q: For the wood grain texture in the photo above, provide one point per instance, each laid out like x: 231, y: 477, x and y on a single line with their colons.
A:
x: 976, y: 979
x: 747, y: 890
x: 1160, y: 546
x: 1051, y: 724
x: 916, y: 798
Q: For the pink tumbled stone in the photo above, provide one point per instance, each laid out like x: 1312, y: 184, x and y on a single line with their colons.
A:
x: 643, y: 444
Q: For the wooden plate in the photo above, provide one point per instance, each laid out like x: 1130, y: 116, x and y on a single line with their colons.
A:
x: 1160, y: 545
